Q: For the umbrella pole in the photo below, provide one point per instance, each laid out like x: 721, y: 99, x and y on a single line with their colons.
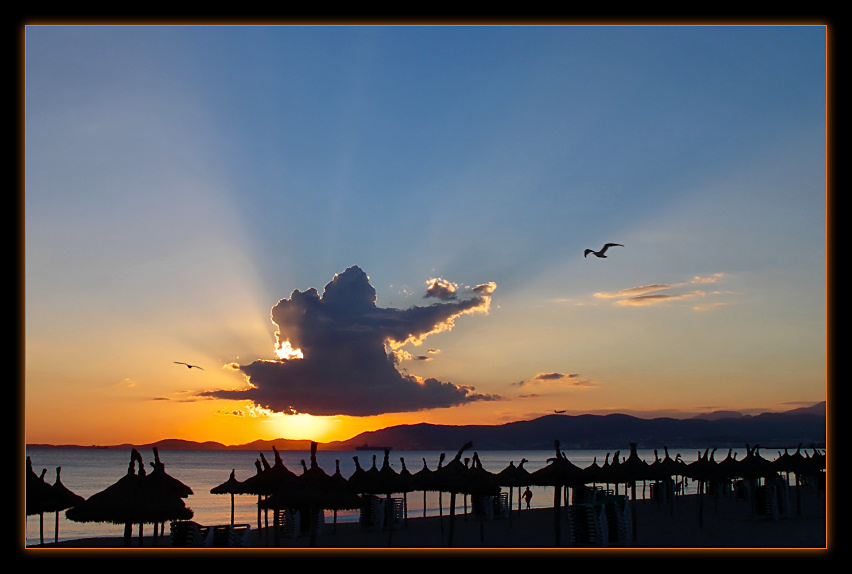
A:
x: 232, y: 509
x: 482, y: 518
x: 41, y: 526
x: 128, y: 534
x: 633, y: 509
x: 452, y: 516
x: 389, y: 516
x: 557, y: 523
x: 510, y: 504
x: 56, y: 528
x: 312, y: 525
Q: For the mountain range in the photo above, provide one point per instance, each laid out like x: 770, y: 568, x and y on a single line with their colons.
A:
x: 805, y: 426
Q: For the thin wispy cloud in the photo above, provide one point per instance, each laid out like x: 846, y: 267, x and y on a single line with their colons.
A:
x: 339, y: 361
x: 555, y: 378
x: 655, y: 294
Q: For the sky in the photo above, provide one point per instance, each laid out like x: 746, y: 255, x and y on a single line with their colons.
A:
x: 352, y: 227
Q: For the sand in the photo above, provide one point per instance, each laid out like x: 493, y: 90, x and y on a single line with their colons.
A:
x: 723, y: 523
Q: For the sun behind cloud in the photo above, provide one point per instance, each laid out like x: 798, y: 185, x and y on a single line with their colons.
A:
x: 333, y: 351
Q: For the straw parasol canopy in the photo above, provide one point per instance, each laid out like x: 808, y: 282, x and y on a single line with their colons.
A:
x: 559, y: 472
x: 451, y: 478
x: 702, y: 470
x: 633, y: 468
x: 38, y: 491
x: 231, y: 486
x: 754, y: 467
x: 162, y: 479
x: 727, y: 467
x: 61, y: 498
x: 480, y: 481
x: 313, y: 491
x: 41, y: 496
x: 131, y: 500
x: 513, y: 476
x: 423, y: 480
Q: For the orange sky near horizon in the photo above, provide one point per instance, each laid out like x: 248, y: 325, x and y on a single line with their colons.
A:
x: 190, y: 191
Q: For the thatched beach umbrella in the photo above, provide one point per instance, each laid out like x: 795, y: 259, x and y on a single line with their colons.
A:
x: 231, y: 486
x: 799, y: 466
x: 755, y: 467
x: 61, y: 498
x: 703, y: 471
x: 39, y: 494
x: 161, y: 479
x: 514, y: 476
x: 558, y: 473
x: 629, y: 472
x: 131, y: 500
x: 423, y: 480
x: 451, y: 478
x: 312, y: 492
x: 406, y: 481
x: 255, y: 485
x: 727, y: 467
x: 481, y: 484
x: 665, y: 471
x: 593, y: 474
x: 340, y: 482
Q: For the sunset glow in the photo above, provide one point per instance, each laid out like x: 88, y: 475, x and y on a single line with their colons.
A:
x: 261, y: 202
x: 285, y: 351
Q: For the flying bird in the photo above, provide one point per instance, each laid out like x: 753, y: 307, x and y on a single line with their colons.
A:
x: 188, y: 366
x: 603, y: 250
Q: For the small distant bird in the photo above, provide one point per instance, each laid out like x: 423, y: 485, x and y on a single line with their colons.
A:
x: 603, y: 250
x: 188, y: 366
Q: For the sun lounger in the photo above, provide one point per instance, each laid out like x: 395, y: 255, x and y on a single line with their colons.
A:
x: 589, y: 525
x: 619, y: 520
x: 765, y: 503
x: 188, y: 534
x: 228, y: 536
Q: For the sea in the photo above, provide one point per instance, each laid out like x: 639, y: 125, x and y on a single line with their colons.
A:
x: 86, y: 471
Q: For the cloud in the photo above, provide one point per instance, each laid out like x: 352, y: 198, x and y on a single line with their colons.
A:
x: 343, y: 339
x: 569, y: 379
x: 440, y: 289
x: 646, y: 295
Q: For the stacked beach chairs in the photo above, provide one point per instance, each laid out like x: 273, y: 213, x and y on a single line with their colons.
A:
x: 375, y: 513
x: 604, y: 522
x: 190, y: 534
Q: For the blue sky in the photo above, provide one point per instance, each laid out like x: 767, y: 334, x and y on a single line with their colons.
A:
x: 180, y: 181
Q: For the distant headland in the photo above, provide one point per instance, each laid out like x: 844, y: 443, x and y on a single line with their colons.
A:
x: 805, y: 426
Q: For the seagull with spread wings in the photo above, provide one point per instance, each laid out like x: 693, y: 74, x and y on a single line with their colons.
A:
x: 188, y: 366
x: 603, y: 250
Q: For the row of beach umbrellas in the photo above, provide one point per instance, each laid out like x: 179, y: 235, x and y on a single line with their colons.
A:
x: 278, y: 488
x: 142, y: 497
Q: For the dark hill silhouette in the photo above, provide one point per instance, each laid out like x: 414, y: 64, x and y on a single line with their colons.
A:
x: 788, y: 429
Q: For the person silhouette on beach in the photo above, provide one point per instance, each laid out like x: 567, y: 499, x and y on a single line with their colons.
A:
x: 528, y: 496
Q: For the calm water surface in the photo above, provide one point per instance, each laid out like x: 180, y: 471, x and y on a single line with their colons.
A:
x: 87, y: 471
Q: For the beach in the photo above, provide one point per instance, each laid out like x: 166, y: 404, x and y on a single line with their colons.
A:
x: 687, y: 523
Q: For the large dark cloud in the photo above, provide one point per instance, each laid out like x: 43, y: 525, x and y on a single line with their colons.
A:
x: 347, y: 365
